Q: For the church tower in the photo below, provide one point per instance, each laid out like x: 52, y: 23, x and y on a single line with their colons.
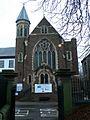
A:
x: 22, y: 33
x: 39, y: 54
x: 22, y: 24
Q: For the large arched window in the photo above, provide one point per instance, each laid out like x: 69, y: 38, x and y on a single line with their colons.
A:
x: 44, y: 52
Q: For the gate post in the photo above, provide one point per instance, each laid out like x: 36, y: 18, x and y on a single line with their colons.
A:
x: 64, y: 90
x: 9, y: 76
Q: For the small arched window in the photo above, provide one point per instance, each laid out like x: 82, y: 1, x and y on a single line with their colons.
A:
x: 46, y: 78
x: 25, y: 31
x: 21, y: 31
x: 44, y: 29
x: 42, y: 79
x: 20, y: 57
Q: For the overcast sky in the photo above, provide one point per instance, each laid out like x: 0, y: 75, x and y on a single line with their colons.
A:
x: 9, y: 11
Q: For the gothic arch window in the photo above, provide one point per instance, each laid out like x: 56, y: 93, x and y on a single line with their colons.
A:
x: 25, y: 31
x: 44, y: 29
x: 44, y: 78
x: 20, y: 57
x: 44, y: 52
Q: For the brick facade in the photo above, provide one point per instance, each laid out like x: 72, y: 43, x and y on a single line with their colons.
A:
x: 65, y: 56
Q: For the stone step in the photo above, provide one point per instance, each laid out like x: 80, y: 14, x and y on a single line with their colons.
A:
x: 39, y: 97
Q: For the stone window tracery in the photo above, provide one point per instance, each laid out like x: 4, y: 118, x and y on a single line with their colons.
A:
x: 44, y: 52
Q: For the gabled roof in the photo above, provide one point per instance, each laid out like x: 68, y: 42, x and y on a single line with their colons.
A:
x: 45, y: 22
x: 7, y: 52
x: 23, y: 15
x: 85, y: 58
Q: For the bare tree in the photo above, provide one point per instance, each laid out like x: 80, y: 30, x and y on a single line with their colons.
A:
x: 72, y: 18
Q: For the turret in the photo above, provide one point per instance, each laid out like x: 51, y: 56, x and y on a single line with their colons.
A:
x: 22, y: 33
x: 22, y: 24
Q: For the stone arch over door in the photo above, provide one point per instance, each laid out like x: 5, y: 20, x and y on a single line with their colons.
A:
x: 44, y: 75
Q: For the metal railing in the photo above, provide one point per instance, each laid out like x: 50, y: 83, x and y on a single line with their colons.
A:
x: 80, y: 91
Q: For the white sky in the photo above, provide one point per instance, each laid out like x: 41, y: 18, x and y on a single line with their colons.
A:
x: 9, y: 11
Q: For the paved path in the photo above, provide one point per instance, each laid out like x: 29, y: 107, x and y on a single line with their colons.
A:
x: 36, y: 111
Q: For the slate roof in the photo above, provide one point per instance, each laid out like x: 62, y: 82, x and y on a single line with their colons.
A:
x: 7, y: 52
x: 23, y: 15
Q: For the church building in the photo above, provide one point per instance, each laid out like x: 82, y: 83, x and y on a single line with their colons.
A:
x: 40, y: 53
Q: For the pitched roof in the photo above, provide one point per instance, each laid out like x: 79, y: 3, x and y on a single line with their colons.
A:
x: 23, y: 15
x: 5, y: 52
x: 44, y: 21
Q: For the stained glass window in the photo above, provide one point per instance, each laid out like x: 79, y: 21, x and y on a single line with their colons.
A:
x: 44, y: 52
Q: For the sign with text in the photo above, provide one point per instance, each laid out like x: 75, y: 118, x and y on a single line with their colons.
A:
x: 43, y: 88
x: 19, y: 87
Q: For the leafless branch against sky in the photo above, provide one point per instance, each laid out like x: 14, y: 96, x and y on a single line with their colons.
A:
x: 72, y: 18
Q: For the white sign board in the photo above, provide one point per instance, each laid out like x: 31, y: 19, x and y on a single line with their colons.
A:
x: 43, y: 88
x: 19, y: 87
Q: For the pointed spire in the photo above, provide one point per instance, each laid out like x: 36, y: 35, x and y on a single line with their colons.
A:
x: 23, y: 15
